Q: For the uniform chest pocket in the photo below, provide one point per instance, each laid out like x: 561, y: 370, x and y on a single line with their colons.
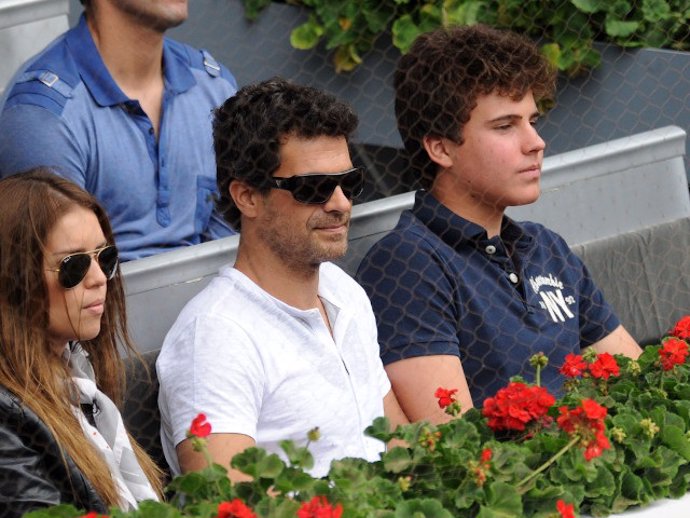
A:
x: 205, y: 197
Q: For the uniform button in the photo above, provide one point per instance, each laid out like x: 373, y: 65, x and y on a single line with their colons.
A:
x: 490, y: 249
x: 513, y: 278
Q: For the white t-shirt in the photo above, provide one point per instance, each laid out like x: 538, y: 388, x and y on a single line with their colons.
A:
x: 259, y: 367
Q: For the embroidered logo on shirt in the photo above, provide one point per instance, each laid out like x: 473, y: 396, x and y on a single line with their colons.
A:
x: 552, y: 300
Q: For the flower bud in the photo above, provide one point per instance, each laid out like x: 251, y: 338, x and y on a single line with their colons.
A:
x: 649, y: 427
x: 634, y: 368
x: 618, y: 434
x: 589, y: 355
x: 314, y: 434
x: 539, y: 360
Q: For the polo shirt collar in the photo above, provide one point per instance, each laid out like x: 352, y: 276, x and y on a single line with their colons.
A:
x: 455, y: 230
x: 97, y: 78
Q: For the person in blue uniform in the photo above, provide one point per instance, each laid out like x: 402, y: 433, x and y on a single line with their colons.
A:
x: 125, y: 113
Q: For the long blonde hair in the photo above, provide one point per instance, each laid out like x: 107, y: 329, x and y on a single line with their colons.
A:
x: 30, y: 205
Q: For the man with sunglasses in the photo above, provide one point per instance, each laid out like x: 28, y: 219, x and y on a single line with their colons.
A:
x: 284, y: 341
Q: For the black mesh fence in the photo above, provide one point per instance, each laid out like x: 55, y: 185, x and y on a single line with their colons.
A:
x: 442, y: 286
x: 632, y: 90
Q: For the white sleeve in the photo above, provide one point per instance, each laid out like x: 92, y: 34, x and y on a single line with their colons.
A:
x: 212, y: 366
x: 383, y: 382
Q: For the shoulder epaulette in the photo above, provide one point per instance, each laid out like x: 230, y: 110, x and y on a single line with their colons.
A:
x: 49, y: 79
x: 210, y: 64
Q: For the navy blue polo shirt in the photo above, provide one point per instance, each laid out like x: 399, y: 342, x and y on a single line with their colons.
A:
x: 440, y: 286
x: 64, y: 110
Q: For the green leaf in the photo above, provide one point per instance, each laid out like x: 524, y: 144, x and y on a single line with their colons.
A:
x: 462, y: 12
x: 656, y: 10
x: 675, y: 438
x: 602, y: 485
x: 459, y: 434
x: 346, y: 58
x: 397, y: 460
x: 191, y: 483
x: 421, y: 508
x: 292, y: 479
x: 468, y: 494
x: 430, y: 16
x: 276, y: 508
x: 307, y: 35
x: 380, y: 429
x: 502, y: 501
x: 552, y: 51
x: 298, y: 456
x: 252, y: 8
x: 59, y: 511
x: 404, y: 32
x: 662, y: 468
x: 150, y: 509
x: 257, y: 463
x: 632, y: 487
x: 620, y: 28
x: 591, y: 6
x: 377, y: 18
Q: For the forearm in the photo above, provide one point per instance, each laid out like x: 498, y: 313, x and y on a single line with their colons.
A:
x: 221, y: 448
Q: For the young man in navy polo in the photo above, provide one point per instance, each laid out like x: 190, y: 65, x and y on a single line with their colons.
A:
x: 464, y: 295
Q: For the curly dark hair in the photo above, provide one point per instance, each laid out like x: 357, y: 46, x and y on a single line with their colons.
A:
x: 438, y: 81
x: 248, y: 129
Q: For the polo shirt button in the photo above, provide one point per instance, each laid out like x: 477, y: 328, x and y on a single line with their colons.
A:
x: 513, y: 278
x: 490, y: 249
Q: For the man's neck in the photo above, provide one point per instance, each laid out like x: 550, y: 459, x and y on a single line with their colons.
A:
x: 466, y: 206
x: 297, y: 287
x: 132, y: 53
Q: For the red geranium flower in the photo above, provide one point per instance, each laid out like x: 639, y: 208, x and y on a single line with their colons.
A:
x: 565, y: 510
x: 234, y: 509
x: 445, y: 396
x: 319, y: 507
x: 604, y: 367
x: 574, y: 366
x: 200, y: 428
x: 486, y: 455
x: 682, y: 328
x: 586, y: 421
x: 593, y: 410
x: 515, y: 406
x: 596, y: 446
x: 94, y: 514
x: 673, y: 352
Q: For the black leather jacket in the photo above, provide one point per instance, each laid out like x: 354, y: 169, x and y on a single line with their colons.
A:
x: 33, y: 473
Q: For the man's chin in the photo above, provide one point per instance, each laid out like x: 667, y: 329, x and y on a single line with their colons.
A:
x: 526, y: 199
x: 164, y: 25
x: 333, y: 252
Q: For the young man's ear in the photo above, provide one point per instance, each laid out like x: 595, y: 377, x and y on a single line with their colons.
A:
x: 439, y: 150
x: 246, y: 197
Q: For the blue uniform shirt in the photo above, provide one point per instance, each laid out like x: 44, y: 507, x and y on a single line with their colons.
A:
x: 440, y: 286
x: 65, y: 110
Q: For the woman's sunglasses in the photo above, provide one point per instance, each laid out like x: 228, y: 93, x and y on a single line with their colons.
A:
x: 73, y: 268
x: 317, y: 188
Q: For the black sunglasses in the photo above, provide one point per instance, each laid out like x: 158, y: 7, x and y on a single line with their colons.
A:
x: 73, y: 268
x: 317, y: 188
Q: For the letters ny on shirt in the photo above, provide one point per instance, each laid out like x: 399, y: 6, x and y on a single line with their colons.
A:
x: 550, y: 290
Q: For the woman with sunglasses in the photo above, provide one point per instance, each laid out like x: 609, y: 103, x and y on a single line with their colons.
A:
x: 62, y: 439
